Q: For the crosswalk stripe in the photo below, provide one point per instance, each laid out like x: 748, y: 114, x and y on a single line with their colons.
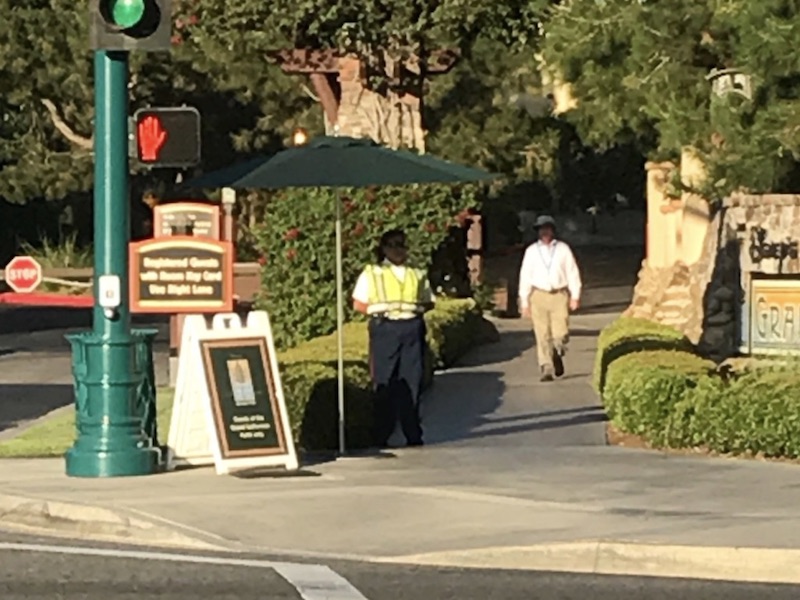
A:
x: 318, y: 582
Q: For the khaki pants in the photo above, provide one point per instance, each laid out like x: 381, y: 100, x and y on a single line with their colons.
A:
x: 550, y: 316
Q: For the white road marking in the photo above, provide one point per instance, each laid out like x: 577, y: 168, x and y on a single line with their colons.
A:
x: 313, y: 582
x: 318, y: 582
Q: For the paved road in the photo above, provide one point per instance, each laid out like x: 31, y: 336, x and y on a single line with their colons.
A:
x: 35, y: 360
x: 48, y: 568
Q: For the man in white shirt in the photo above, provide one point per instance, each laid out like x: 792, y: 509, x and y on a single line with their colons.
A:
x: 549, y: 288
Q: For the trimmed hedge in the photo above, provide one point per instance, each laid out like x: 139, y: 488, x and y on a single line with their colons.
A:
x: 626, y: 335
x: 677, y: 399
x: 642, y: 388
x: 309, y: 374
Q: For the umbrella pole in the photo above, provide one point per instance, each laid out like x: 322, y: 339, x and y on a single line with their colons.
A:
x: 340, y: 322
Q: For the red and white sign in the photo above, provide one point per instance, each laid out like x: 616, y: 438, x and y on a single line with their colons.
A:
x: 23, y: 274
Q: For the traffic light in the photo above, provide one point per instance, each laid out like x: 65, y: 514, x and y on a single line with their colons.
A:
x: 144, y: 25
x: 167, y: 137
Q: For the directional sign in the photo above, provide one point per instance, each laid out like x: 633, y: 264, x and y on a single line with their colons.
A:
x: 23, y: 274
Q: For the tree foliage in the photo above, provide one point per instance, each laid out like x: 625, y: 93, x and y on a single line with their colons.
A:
x: 219, y: 63
x: 639, y: 68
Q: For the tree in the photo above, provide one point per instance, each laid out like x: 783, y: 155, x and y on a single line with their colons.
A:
x: 47, y: 106
x: 45, y: 131
x: 393, y: 40
x: 639, y: 69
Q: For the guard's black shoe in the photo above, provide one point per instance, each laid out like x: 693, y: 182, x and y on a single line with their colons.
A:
x: 415, y: 443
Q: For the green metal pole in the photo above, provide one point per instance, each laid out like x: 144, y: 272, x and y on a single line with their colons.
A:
x: 110, y: 441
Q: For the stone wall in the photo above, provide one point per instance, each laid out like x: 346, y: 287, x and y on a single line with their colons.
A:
x: 748, y: 235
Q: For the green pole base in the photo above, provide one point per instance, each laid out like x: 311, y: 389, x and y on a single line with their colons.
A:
x: 111, y: 410
x: 131, y: 463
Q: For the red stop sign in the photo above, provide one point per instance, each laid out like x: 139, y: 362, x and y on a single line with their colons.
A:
x: 23, y: 274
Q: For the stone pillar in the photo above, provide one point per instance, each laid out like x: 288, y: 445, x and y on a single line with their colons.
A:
x: 661, y: 221
x: 696, y: 211
x: 475, y: 249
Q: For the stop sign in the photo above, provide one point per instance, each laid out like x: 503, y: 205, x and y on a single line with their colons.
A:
x: 23, y: 274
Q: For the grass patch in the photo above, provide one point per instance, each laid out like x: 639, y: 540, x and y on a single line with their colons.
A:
x: 53, y: 437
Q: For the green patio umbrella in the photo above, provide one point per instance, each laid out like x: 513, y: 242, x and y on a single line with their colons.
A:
x: 339, y: 162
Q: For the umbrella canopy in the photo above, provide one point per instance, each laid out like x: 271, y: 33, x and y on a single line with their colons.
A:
x: 339, y: 162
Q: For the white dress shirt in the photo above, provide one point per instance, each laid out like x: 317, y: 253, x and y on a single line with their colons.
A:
x: 549, y: 267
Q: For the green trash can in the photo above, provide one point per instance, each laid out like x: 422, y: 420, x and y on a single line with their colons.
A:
x: 115, y: 407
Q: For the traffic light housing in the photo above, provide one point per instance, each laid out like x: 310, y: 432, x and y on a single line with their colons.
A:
x: 167, y: 137
x: 144, y: 25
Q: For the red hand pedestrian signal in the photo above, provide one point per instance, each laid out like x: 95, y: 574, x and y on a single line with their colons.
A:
x: 167, y: 137
x: 151, y: 136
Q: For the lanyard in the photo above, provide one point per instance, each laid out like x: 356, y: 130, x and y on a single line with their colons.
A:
x: 548, y: 263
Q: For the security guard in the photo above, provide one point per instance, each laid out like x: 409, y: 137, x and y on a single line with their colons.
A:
x: 395, y: 297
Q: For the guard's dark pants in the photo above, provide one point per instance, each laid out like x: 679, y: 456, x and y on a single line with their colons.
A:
x: 397, y: 350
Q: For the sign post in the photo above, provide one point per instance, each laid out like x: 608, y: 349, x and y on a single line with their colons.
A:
x: 23, y: 274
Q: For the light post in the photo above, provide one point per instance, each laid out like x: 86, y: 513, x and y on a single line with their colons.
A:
x: 111, y: 364
x: 110, y: 437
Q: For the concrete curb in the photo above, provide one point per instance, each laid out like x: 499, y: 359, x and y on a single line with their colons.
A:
x: 92, y: 522
x: 751, y: 565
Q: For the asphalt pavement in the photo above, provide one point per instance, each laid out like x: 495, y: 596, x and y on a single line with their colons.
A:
x: 36, y: 360
x: 56, y: 568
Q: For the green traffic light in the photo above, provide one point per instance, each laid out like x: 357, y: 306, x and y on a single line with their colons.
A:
x: 127, y: 13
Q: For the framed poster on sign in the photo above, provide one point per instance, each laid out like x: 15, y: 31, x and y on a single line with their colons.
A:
x: 243, y: 397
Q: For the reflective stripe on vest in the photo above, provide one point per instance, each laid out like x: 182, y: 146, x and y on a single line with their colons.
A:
x: 389, y: 296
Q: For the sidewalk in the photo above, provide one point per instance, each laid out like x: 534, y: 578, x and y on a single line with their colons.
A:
x: 514, y: 470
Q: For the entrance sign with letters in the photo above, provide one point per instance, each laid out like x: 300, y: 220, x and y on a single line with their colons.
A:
x: 229, y: 407
x: 181, y: 274
x: 774, y: 319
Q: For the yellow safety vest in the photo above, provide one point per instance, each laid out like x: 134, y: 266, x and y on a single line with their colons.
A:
x: 394, y: 298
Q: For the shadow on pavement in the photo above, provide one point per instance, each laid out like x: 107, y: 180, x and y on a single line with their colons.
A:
x: 541, y: 422
x: 454, y: 407
x: 511, y: 345
x: 21, y: 402
x: 547, y: 414
x: 605, y: 307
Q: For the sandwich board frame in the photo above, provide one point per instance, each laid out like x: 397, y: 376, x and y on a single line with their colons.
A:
x: 212, y: 422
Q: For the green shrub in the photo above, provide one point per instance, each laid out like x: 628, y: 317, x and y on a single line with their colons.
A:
x: 643, y: 388
x: 297, y: 245
x: 755, y: 413
x: 677, y: 399
x: 309, y: 374
x: 627, y: 335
